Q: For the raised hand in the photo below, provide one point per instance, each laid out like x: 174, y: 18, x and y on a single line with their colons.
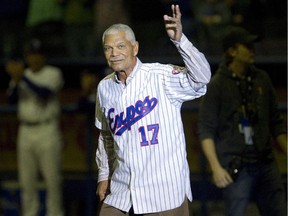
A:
x: 173, y: 24
x: 15, y: 69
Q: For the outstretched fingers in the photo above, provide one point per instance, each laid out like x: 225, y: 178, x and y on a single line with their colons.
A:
x: 173, y: 23
x: 176, y: 11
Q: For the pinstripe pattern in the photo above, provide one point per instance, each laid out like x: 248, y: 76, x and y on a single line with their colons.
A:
x: 154, y: 177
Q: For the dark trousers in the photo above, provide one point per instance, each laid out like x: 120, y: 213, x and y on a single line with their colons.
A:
x: 262, y: 182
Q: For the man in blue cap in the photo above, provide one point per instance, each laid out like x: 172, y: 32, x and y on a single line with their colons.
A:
x: 35, y: 89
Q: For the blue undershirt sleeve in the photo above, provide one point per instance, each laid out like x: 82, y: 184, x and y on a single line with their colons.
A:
x: 39, y: 90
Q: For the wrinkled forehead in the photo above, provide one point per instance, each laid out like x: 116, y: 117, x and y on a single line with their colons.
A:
x: 115, y: 38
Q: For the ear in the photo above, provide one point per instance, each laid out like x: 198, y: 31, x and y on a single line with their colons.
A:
x: 135, y: 48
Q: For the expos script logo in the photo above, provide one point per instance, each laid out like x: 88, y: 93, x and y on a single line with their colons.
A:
x: 119, y: 123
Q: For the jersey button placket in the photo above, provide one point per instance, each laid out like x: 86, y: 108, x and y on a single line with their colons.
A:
x: 126, y: 102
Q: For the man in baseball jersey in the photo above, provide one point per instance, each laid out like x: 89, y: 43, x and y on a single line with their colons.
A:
x: 39, y: 146
x: 141, y: 152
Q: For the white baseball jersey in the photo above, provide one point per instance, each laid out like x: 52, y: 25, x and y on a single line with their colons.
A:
x: 31, y: 108
x: 39, y: 139
x: 144, y: 117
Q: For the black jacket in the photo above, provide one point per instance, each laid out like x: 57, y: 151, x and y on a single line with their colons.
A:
x: 220, y: 113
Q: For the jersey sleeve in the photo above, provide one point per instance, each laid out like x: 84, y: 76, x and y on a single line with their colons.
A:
x: 187, y: 83
x: 195, y: 61
x: 105, y: 155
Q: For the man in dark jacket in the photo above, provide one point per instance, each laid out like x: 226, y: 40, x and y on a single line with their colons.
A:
x: 238, y: 116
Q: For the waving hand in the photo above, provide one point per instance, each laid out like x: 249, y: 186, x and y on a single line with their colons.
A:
x: 173, y: 23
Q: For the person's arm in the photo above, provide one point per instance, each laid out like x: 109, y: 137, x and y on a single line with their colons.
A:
x: 104, y: 160
x: 220, y: 176
x: 208, y: 126
x: 41, y: 91
x: 196, y: 63
x: 15, y: 69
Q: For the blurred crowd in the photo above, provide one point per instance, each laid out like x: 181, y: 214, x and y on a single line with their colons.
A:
x: 73, y: 28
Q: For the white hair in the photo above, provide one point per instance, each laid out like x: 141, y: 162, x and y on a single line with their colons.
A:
x: 130, y: 36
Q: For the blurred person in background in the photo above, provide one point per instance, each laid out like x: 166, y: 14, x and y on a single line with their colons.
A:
x: 238, y: 118
x: 89, y: 80
x: 45, y: 21
x: 39, y: 146
x: 213, y: 17
x: 238, y: 10
x: 79, y: 27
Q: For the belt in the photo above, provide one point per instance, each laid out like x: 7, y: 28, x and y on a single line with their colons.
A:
x: 28, y: 123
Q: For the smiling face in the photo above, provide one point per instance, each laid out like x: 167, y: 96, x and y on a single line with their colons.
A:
x: 120, y: 53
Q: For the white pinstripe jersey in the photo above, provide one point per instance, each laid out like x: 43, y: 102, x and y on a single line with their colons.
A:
x: 144, y: 117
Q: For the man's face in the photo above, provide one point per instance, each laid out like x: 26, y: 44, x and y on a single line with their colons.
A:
x: 244, y: 53
x: 120, y: 53
x: 35, y: 61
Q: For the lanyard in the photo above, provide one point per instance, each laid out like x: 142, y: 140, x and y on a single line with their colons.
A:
x: 248, y: 107
x: 245, y: 87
